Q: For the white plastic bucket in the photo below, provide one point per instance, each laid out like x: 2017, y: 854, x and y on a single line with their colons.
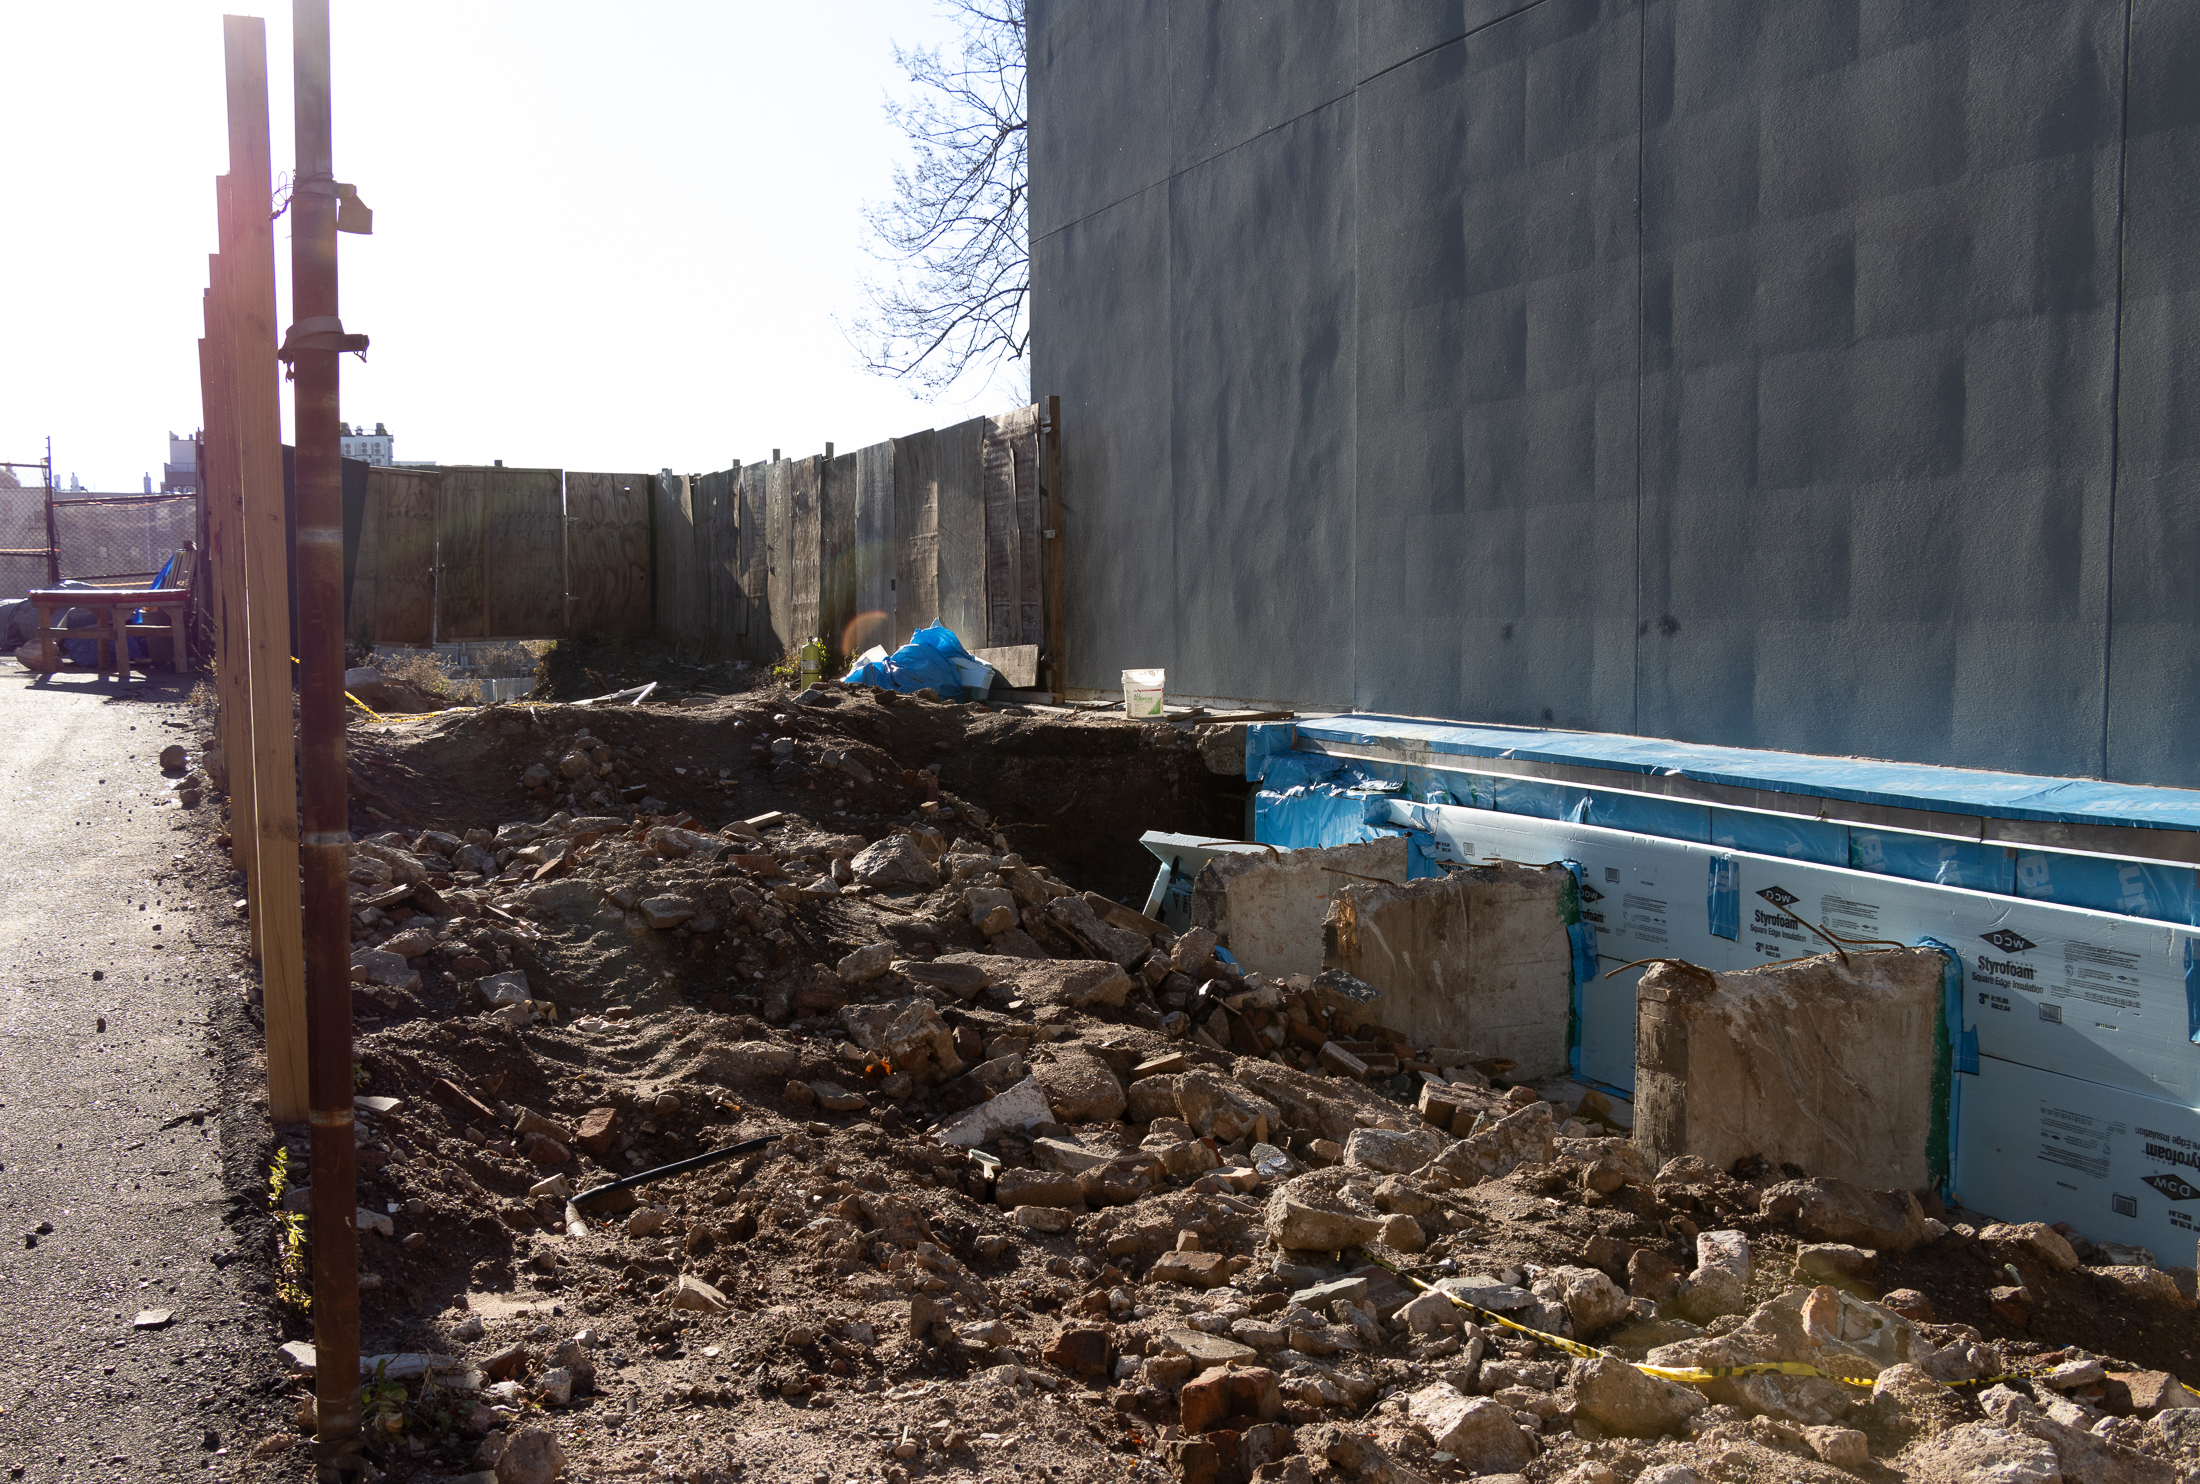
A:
x: 976, y: 675
x: 1142, y: 692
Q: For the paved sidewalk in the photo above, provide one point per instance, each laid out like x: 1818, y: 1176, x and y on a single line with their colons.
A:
x: 115, y: 907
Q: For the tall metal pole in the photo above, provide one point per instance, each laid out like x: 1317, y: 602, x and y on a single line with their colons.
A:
x: 323, y: 841
x: 53, y: 547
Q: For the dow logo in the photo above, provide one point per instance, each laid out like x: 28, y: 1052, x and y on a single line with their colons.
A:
x: 1590, y: 893
x: 2176, y: 1187
x: 1780, y: 897
x: 2007, y: 941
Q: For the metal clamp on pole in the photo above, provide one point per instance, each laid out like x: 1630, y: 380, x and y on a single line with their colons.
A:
x: 318, y: 332
x: 352, y: 214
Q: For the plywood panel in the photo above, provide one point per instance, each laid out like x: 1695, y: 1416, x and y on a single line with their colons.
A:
x: 805, y: 552
x: 1011, y: 475
x: 961, y: 505
x: 402, y: 507
x: 874, y: 549
x: 837, y: 561
x: 608, y: 537
x: 755, y: 616
x: 460, y: 592
x: 718, y: 554
x: 916, y: 551
x: 676, y: 581
x: 778, y: 554
x: 523, y: 547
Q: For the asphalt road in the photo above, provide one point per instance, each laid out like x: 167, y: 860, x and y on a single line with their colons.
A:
x: 127, y: 1142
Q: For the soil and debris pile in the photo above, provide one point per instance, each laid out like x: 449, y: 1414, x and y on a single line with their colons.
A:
x: 1051, y: 1187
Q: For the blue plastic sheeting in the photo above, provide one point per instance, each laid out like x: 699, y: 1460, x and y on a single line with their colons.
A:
x: 2164, y: 893
x: 1723, y: 904
x: 1925, y: 858
x: 1674, y: 819
x: 2192, y: 989
x: 1905, y: 785
x: 1962, y: 1042
x: 2133, y: 888
x: 927, y: 661
x: 1816, y: 840
x: 1317, y: 815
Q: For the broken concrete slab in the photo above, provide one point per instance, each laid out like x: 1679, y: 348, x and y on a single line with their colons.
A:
x: 1818, y: 1063
x: 1477, y: 958
x: 1269, y: 908
x: 1074, y: 983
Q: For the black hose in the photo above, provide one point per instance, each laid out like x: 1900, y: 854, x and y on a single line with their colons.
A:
x: 678, y: 1166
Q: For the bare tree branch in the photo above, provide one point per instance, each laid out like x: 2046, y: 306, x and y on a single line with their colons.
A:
x: 955, y: 228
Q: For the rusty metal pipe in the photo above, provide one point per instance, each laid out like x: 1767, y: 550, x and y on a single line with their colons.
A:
x: 323, y: 838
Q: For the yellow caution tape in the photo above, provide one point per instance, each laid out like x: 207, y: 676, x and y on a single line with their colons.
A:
x: 362, y: 705
x: 1681, y: 1373
x: 1664, y: 1372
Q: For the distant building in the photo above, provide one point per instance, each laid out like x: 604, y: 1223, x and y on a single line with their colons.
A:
x: 180, y: 475
x: 376, y: 447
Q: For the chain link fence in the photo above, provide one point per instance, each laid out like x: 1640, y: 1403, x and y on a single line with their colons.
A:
x: 104, y: 537
x: 22, y: 540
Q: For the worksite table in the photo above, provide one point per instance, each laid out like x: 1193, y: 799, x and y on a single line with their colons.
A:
x: 112, y: 632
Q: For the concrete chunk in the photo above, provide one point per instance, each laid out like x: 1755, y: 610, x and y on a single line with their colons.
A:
x: 1269, y: 908
x: 1476, y: 958
x: 1769, y: 1062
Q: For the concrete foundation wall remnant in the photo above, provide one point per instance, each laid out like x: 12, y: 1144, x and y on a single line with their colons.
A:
x: 1815, y: 1063
x: 1478, y: 959
x: 1268, y: 909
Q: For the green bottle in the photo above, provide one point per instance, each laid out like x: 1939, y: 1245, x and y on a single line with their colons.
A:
x: 813, y: 663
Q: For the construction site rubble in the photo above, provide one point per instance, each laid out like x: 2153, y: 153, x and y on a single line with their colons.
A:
x: 1039, y: 1182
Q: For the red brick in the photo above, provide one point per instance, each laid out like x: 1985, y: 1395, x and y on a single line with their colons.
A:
x: 1081, y: 1352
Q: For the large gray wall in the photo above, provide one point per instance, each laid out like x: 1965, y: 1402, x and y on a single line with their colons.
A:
x: 1809, y: 374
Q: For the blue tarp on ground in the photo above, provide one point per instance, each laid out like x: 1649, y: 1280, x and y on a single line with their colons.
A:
x: 927, y: 661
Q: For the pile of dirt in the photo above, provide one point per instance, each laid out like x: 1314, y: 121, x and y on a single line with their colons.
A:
x: 575, y: 669
x: 1049, y: 1187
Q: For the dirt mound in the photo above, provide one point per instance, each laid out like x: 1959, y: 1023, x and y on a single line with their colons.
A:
x: 1072, y: 792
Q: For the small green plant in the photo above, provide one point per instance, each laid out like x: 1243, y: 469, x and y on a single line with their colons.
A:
x: 382, y: 1402
x: 292, y: 1271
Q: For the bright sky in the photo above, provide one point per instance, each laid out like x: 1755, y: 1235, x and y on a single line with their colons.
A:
x: 605, y: 244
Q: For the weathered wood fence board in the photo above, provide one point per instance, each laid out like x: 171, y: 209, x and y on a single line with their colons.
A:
x: 717, y: 499
x: 678, y: 573
x: 460, y: 592
x: 837, y: 554
x: 916, y: 551
x: 522, y: 559
x: 755, y: 631
x: 1011, y: 463
x: 779, y: 556
x: 960, y: 466
x: 873, y: 552
x: 608, y: 547
x: 942, y: 526
x: 805, y: 553
x: 393, y: 596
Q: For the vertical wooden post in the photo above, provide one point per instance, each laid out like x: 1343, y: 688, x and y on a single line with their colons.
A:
x: 316, y: 340
x: 221, y: 493
x: 1057, y: 606
x: 248, y: 247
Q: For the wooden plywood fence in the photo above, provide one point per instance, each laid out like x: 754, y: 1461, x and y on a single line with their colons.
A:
x: 948, y: 525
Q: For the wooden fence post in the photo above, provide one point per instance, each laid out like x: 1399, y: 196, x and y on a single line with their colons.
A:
x: 248, y: 246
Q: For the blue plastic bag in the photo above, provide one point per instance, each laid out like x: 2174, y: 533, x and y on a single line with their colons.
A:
x: 927, y: 660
